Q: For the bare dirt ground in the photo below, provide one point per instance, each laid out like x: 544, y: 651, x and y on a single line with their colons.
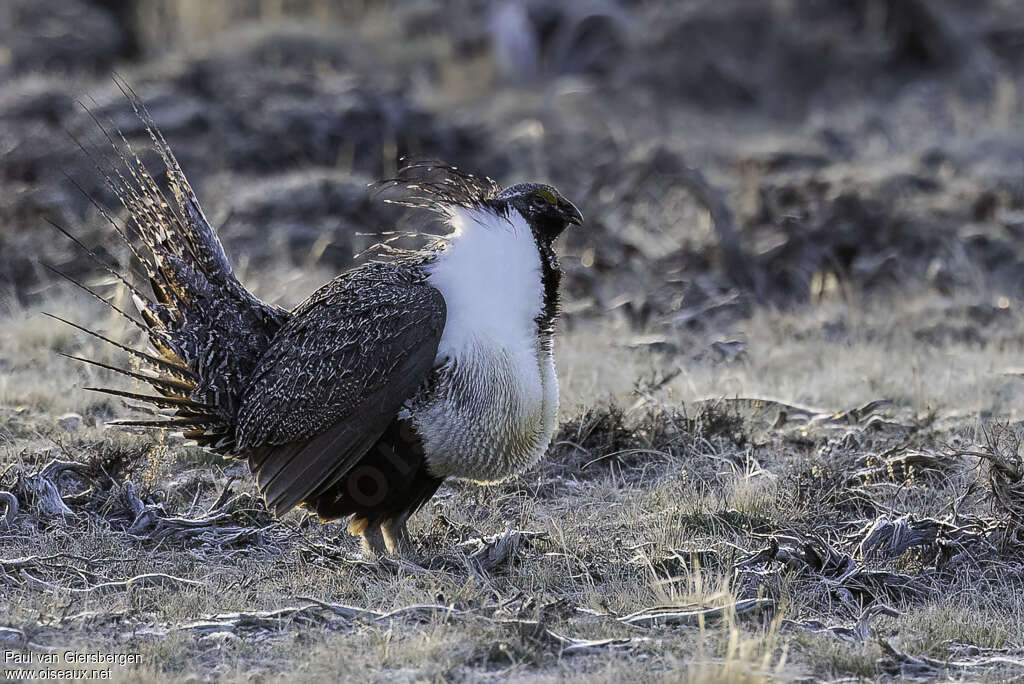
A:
x: 789, y: 356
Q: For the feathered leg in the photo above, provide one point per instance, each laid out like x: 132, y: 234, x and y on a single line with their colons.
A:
x: 372, y: 542
x: 396, y: 536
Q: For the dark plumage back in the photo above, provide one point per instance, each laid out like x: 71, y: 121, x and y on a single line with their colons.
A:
x: 207, y: 331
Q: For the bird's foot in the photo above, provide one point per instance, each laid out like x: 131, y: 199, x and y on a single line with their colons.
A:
x: 389, y: 543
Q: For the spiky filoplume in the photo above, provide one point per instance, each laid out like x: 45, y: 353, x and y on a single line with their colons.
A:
x: 362, y: 399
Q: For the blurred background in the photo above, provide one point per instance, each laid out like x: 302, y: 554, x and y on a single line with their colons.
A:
x: 729, y: 155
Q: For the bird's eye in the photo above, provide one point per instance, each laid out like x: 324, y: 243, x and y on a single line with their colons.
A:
x: 544, y: 198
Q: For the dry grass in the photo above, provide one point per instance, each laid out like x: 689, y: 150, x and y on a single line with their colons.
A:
x: 662, y: 502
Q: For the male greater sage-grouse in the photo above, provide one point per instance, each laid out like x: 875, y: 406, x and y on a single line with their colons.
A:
x: 432, y: 364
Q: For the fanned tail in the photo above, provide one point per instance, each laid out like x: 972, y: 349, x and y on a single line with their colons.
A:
x: 206, y: 332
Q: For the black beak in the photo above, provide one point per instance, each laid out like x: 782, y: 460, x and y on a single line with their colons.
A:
x: 572, y: 215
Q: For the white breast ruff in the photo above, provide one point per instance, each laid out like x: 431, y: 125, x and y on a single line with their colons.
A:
x: 493, y: 414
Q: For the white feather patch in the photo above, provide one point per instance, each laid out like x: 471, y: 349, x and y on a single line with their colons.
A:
x: 495, y: 415
x: 490, y: 276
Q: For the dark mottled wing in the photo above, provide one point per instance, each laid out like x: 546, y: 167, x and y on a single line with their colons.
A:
x: 335, y: 376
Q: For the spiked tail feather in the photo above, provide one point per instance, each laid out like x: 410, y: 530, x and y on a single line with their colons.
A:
x: 206, y: 332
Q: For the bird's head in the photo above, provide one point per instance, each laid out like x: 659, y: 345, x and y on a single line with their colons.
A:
x: 545, y: 210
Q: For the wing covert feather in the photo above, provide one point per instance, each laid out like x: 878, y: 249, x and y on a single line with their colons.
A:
x: 335, y: 376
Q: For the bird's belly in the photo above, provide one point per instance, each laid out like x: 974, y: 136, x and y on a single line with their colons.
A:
x: 491, y: 414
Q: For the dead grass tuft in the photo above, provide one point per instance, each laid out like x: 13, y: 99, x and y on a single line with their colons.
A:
x: 1005, y: 470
